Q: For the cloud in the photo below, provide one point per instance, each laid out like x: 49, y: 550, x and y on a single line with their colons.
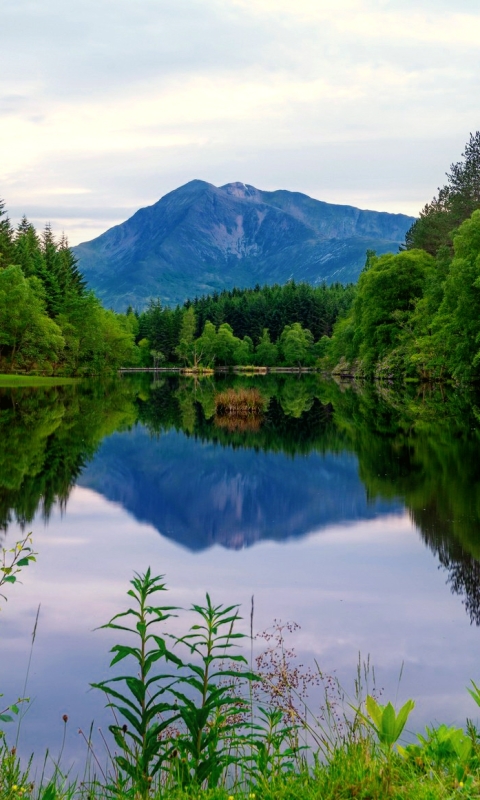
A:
x: 118, y: 100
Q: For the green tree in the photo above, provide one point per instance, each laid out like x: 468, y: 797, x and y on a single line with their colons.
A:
x: 457, y: 324
x: 28, y: 338
x: 296, y: 345
x: 185, y: 350
x: 6, y: 238
x: 455, y: 203
x: 206, y: 344
x: 225, y: 345
x: 266, y: 354
x: 386, y: 297
x: 243, y: 351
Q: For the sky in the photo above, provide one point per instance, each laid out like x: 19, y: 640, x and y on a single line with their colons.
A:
x: 107, y: 105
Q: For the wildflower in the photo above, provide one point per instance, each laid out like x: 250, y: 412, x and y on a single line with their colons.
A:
x: 230, y: 797
x: 14, y: 787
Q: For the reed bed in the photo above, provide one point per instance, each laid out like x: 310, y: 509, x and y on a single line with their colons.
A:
x: 240, y: 403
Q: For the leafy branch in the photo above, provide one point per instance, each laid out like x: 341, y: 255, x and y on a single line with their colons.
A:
x: 15, y: 559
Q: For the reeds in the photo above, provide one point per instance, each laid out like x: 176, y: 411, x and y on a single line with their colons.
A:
x: 240, y: 403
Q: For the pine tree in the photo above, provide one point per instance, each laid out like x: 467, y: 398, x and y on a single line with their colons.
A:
x: 455, y: 203
x: 6, y: 238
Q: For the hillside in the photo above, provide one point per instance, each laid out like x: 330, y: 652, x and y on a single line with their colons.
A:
x: 200, y: 238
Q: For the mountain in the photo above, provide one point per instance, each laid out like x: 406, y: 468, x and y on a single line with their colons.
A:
x: 201, y: 238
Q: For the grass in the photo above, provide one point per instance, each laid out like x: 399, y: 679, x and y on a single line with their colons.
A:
x: 195, y: 718
x: 34, y: 380
x: 239, y: 403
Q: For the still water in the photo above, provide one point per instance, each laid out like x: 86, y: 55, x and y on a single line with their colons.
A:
x: 353, y: 513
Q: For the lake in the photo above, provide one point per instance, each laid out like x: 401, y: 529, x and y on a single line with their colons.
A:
x: 352, y: 511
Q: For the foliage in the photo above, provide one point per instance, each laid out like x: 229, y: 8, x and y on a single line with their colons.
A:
x: 446, y: 748
x: 296, y: 345
x: 387, y: 724
x: 455, y: 203
x: 266, y: 326
x: 49, y: 322
x: 416, y: 314
x: 198, y: 752
x: 199, y: 732
x: 13, y: 561
x: 138, y: 699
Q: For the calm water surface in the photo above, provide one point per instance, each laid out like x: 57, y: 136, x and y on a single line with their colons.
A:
x: 353, y: 513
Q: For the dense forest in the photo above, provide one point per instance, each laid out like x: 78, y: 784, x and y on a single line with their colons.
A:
x: 266, y: 326
x: 49, y: 322
x: 417, y: 313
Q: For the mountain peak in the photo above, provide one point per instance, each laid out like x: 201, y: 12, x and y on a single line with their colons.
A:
x: 243, y: 190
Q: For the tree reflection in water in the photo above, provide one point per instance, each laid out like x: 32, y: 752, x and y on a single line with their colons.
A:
x: 416, y: 446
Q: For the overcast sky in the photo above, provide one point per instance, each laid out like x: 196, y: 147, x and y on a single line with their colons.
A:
x: 106, y: 105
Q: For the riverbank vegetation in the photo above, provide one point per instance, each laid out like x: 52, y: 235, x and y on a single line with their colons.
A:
x: 417, y: 314
x: 412, y: 315
x: 50, y: 324
x: 195, y: 716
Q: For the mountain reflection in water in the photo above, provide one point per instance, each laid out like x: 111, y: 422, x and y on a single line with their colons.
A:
x: 320, y: 454
x: 200, y: 494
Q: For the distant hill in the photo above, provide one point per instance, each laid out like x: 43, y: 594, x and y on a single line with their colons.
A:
x: 201, y: 238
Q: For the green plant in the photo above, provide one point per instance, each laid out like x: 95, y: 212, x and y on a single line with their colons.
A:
x: 139, y: 703
x: 475, y: 692
x: 214, y: 721
x: 444, y: 748
x: 15, y: 559
x: 14, y: 780
x: 274, y: 747
x: 387, y: 724
x: 12, y: 562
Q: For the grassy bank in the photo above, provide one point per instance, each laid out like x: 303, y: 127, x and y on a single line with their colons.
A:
x: 353, y: 772
x: 34, y: 380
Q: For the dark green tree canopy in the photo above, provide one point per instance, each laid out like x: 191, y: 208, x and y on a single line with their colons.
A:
x: 455, y: 202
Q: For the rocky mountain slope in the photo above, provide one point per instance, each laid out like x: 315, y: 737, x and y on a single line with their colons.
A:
x: 200, y: 238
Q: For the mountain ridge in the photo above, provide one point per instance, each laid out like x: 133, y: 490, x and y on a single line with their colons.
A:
x: 200, y: 238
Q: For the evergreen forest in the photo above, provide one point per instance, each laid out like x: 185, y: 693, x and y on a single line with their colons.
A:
x: 49, y: 322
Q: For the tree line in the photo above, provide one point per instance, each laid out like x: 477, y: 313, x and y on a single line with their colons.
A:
x: 417, y: 313
x: 49, y: 321
x: 266, y: 326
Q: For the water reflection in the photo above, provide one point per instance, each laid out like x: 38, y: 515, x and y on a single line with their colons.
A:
x: 321, y: 454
